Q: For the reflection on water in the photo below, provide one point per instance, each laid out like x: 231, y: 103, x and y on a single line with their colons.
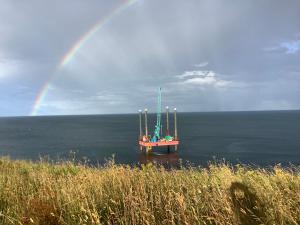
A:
x: 165, y: 159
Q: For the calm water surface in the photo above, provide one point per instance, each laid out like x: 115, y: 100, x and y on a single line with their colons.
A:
x: 259, y: 138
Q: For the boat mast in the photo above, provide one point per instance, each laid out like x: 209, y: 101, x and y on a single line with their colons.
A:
x: 156, y: 135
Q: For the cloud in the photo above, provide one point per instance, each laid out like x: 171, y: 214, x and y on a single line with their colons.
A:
x: 279, y: 104
x: 81, y: 102
x: 291, y: 47
x: 197, y: 73
x: 108, y: 98
x: 203, y: 64
x: 288, y: 47
x: 202, y: 78
x: 8, y: 68
x: 119, y: 69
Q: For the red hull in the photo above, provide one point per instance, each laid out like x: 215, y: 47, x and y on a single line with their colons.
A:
x: 159, y: 143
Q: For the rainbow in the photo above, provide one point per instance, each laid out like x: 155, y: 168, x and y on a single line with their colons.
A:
x: 69, y: 55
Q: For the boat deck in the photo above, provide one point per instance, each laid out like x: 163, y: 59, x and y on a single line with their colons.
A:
x: 159, y: 143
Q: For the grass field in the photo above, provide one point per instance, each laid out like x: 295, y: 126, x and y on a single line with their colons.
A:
x: 45, y: 193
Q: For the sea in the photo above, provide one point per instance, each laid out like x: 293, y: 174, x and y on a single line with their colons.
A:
x: 256, y: 138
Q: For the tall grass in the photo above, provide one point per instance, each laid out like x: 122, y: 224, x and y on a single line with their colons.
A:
x: 44, y: 193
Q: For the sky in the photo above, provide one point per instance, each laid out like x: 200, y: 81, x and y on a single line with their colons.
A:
x: 101, y: 57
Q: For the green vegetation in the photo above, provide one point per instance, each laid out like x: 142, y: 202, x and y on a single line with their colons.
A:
x: 45, y: 193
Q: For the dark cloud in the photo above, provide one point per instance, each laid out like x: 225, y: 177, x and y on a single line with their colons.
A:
x: 207, y: 55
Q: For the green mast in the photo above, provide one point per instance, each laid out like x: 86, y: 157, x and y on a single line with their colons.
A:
x: 156, y: 135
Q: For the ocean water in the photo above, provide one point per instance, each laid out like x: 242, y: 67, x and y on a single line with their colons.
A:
x: 256, y: 138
